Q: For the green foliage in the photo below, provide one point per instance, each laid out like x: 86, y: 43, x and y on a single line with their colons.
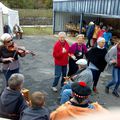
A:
x: 48, y: 3
x: 26, y: 13
x: 36, y: 4
x: 37, y: 30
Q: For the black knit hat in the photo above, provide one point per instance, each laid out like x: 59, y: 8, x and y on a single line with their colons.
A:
x: 80, y: 89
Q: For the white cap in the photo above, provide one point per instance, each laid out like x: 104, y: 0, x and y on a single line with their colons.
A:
x: 82, y: 62
x: 100, y: 39
x: 4, y: 37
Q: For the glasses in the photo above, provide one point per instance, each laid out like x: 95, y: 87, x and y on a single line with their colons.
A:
x: 9, y: 41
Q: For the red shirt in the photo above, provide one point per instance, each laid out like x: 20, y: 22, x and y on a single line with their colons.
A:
x: 118, y: 57
x: 100, y: 33
x: 59, y: 57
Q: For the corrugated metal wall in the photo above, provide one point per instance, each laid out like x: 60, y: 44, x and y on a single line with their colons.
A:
x: 61, y: 18
x: 70, y: 10
x: 104, y: 7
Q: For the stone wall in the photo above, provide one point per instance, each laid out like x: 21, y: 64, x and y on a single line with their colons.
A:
x: 36, y: 21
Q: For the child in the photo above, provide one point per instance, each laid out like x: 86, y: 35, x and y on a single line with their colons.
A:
x: 37, y: 111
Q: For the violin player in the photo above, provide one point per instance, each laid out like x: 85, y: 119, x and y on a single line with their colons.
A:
x: 9, y: 56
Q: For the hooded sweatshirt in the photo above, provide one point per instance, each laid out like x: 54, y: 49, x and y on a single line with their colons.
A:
x: 12, y: 102
x: 35, y: 113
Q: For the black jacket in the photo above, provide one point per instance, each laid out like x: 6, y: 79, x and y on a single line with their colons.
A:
x: 97, y: 57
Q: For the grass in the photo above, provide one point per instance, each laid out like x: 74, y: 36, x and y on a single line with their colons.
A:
x: 37, y: 30
x: 25, y: 13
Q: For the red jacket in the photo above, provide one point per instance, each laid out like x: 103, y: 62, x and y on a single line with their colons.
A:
x: 118, y: 57
x: 100, y: 33
x: 59, y: 57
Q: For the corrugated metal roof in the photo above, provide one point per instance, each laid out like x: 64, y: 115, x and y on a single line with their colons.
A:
x: 106, y: 8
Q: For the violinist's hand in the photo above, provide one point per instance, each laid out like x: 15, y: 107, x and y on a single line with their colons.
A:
x: 10, y: 59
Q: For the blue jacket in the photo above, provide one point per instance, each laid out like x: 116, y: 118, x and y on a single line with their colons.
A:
x: 90, y: 31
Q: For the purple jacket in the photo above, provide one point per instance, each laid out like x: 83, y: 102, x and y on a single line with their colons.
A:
x: 75, y: 46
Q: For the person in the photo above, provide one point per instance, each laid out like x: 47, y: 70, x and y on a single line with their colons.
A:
x: 9, y: 56
x: 78, y: 106
x: 100, y: 33
x: 96, y: 30
x: 96, y: 58
x: 76, y: 52
x: 89, y: 33
x: 83, y: 74
x: 12, y: 103
x: 36, y: 111
x: 60, y: 55
x: 17, y: 30
x: 108, y: 36
x: 113, y: 60
x: 7, y: 29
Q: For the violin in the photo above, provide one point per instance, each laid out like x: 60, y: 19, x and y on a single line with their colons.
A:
x: 20, y: 49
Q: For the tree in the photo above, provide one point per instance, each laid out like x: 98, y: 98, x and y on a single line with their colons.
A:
x: 36, y: 4
x: 48, y: 3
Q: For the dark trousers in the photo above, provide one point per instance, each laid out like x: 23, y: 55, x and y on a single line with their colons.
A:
x: 18, y: 35
x: 8, y: 73
x: 73, y: 67
x: 88, y: 44
x: 59, y: 70
x: 96, y: 75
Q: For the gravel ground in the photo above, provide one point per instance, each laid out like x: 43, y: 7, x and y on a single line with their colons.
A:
x: 39, y: 72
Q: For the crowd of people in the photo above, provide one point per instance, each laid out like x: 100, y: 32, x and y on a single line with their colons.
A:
x: 16, y: 31
x: 78, y: 65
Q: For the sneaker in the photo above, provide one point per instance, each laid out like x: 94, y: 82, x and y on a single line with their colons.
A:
x: 54, y: 89
x: 107, y: 90
x: 115, y: 93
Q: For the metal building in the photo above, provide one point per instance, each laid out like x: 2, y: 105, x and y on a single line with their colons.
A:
x: 65, y: 11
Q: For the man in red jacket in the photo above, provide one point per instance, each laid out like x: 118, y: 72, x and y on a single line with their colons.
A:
x: 60, y: 54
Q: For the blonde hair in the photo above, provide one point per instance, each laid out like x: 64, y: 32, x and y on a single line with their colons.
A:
x: 80, y: 35
x: 37, y: 99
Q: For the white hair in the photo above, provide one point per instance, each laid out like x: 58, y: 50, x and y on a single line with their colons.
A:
x: 100, y: 39
x: 15, y: 80
x: 62, y: 34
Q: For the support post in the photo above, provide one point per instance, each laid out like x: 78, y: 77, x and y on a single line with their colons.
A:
x: 54, y: 13
x: 81, y: 20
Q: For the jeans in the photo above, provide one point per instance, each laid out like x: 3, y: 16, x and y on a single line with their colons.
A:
x: 66, y: 95
x: 115, y: 78
x: 8, y: 73
x: 67, y: 86
x: 59, y: 70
